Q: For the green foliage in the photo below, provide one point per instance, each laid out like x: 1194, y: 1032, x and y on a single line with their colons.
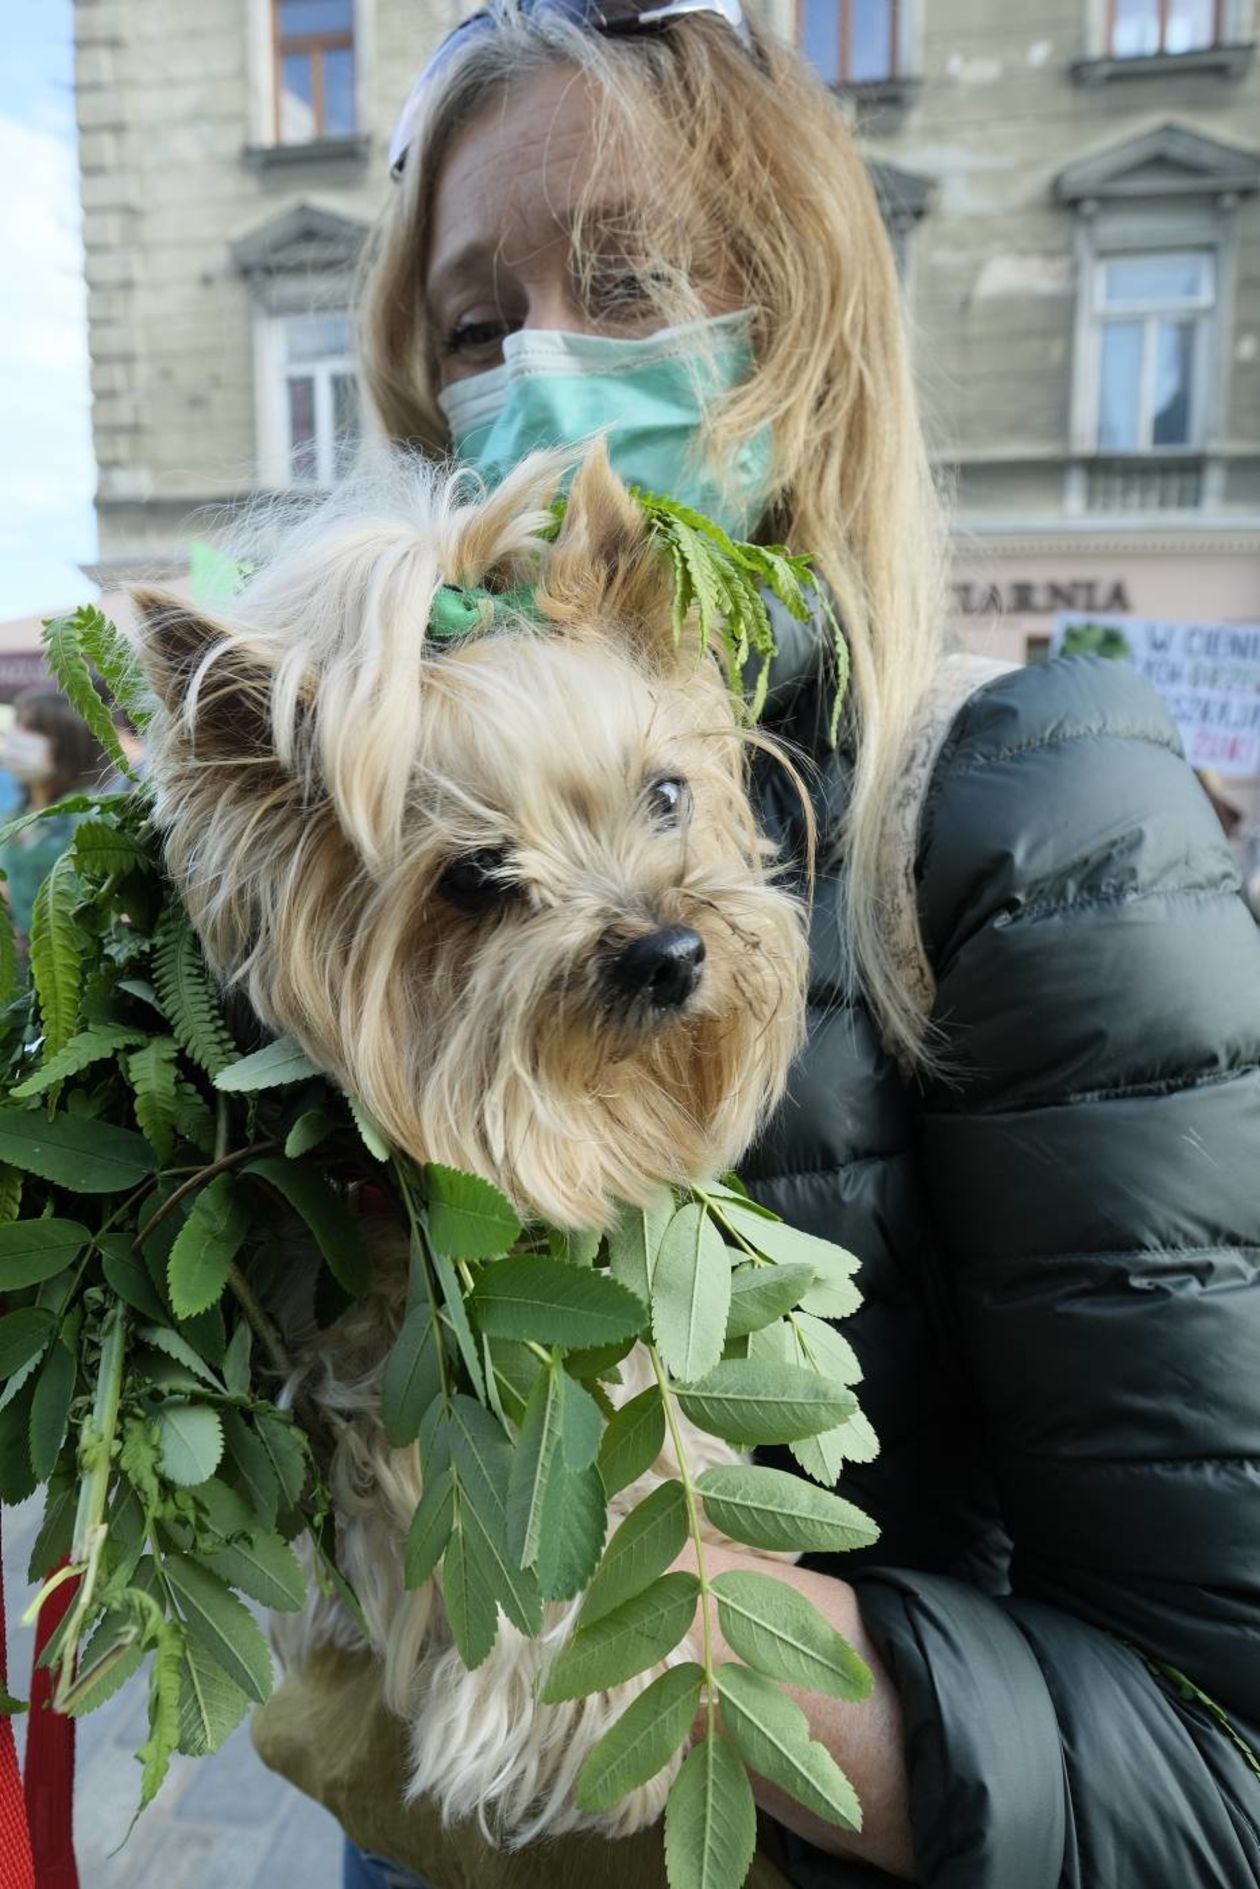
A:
x: 156, y: 1154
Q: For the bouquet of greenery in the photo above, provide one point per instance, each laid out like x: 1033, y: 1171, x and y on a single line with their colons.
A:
x: 158, y: 1153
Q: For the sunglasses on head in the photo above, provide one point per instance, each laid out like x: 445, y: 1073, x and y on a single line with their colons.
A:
x: 598, y: 16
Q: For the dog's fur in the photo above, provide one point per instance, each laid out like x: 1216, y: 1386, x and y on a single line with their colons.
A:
x: 324, y: 772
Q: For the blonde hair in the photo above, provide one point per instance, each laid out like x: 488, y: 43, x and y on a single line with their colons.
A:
x: 754, y: 145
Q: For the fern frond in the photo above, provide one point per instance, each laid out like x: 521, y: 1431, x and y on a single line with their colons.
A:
x: 116, y: 662
x: 57, y: 946
x: 102, y: 848
x: 63, y: 647
x: 10, y: 974
x: 10, y: 1192
x: 152, y: 1073
x: 182, y: 983
x: 194, y: 1121
x: 88, y: 1047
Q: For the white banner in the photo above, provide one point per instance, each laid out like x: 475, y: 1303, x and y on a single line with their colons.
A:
x: 1207, y: 673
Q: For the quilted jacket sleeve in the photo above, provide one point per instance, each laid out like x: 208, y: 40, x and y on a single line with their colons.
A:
x: 1093, y: 1171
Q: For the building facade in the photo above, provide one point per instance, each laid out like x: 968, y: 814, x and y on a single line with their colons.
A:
x: 1073, y: 191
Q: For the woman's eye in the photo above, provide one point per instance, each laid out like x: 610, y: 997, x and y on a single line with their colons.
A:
x: 669, y: 801
x: 469, y: 335
x: 478, y: 881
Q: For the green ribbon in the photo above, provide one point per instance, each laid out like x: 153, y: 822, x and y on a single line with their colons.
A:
x: 459, y: 612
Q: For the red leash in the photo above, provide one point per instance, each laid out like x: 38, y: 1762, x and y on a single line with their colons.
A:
x: 37, y: 1820
x: 50, y: 1760
x: 17, y: 1870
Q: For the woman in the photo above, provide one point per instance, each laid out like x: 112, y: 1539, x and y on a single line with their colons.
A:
x: 53, y: 752
x: 1029, y: 1100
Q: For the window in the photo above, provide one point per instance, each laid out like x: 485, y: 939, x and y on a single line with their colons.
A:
x: 320, y: 406
x: 849, y: 42
x: 1154, y: 315
x: 1141, y: 28
x: 314, y: 63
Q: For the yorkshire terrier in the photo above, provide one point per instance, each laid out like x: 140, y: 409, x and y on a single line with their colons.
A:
x: 508, y: 890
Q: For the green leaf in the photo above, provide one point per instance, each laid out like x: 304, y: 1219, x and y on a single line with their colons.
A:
x: 642, y: 1548
x: 205, y: 1247
x: 33, y: 1250
x: 453, y: 1299
x: 56, y: 947
x: 644, y: 1738
x: 11, y: 1183
x: 151, y: 1072
x: 780, y: 1633
x: 221, y: 1624
x: 633, y: 1440
x: 833, y: 1268
x: 469, y: 1598
x: 535, y: 1458
x: 236, y: 1359
x: 191, y: 1441
x: 24, y: 1334
x: 101, y: 848
x: 755, y: 1402
x: 337, y: 1232
x: 710, y: 1820
x: 63, y: 639
x: 768, y: 1508
x: 575, y: 1522
x: 771, y: 1734
x: 50, y: 1409
x: 531, y: 1296
x: 88, y: 1047
x: 625, y: 1642
x: 581, y: 1425
x: 823, y: 1457
x: 412, y: 1377
x: 262, y: 1566
x: 429, y: 1530
x: 812, y: 1342
x: 179, y: 973
x: 760, y: 1294
x: 117, y: 663
x: 176, y: 1346
x: 164, y: 1685
x: 10, y: 969
x: 307, y: 1132
x: 371, y: 1134
x: 278, y: 1063
x: 691, y: 1294
x: 468, y: 1218
x: 481, y: 1457
x: 252, y: 1466
x: 211, y: 1704
x: 285, y: 1453
x: 635, y: 1241
x: 75, y: 1151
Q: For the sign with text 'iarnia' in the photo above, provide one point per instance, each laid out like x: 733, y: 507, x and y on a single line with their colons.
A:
x: 1207, y: 673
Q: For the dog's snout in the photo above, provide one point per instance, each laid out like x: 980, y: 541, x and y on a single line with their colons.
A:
x: 663, y: 967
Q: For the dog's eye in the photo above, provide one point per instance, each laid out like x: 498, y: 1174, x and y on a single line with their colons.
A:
x: 669, y: 801
x: 475, y: 882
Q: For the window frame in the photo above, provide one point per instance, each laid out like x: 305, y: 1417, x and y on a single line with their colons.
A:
x: 1164, y: 11
x: 898, y: 13
x: 273, y: 371
x: 316, y: 44
x: 1204, y: 312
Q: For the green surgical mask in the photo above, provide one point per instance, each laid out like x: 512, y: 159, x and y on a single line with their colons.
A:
x: 647, y: 396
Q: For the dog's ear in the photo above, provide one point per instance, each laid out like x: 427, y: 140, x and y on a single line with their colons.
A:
x: 232, y: 697
x: 603, y: 571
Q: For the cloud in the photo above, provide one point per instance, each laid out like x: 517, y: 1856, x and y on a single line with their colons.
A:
x: 47, y: 474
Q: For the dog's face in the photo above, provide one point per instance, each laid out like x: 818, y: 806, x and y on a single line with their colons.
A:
x: 509, y: 892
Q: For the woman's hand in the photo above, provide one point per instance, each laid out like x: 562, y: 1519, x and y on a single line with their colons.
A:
x: 864, y: 1738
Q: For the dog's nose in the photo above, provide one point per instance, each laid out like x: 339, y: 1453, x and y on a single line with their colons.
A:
x: 663, y: 967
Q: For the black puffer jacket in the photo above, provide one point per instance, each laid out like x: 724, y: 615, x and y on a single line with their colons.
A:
x: 1061, y: 1333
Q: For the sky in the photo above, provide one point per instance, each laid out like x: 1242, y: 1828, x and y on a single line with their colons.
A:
x: 47, y: 473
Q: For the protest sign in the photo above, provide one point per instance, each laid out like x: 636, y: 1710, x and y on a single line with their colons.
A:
x: 1207, y: 673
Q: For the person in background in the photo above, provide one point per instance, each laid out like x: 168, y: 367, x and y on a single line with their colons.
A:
x: 51, y: 750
